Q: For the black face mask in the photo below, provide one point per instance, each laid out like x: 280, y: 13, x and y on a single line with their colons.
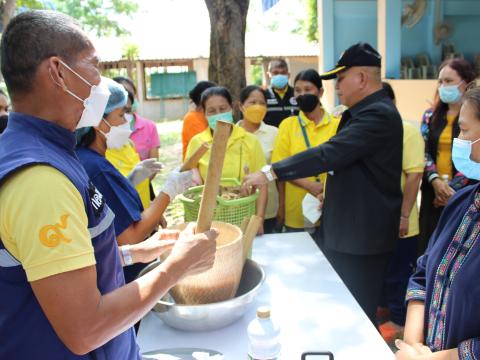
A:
x: 307, y: 102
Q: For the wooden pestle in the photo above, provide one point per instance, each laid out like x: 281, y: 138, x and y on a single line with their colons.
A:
x: 214, y: 173
x: 249, y: 234
x: 193, y: 160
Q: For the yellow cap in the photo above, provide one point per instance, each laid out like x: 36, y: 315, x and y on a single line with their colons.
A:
x: 263, y: 312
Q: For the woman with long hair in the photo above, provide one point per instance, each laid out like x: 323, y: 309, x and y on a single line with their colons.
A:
x: 439, y: 127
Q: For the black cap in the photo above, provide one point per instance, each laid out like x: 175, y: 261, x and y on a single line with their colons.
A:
x: 361, y: 54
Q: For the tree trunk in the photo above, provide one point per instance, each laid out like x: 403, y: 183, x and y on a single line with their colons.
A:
x: 228, y: 19
x: 8, y: 12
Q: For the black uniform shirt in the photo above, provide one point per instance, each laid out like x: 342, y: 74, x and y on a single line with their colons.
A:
x: 279, y: 108
x: 361, y: 212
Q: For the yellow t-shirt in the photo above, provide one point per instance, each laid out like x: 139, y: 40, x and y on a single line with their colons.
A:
x: 413, y: 162
x: 43, y: 223
x: 290, y: 141
x: 444, y: 153
x: 243, y: 149
x: 124, y: 160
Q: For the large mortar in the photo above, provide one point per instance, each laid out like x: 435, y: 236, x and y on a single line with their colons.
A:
x: 221, y: 281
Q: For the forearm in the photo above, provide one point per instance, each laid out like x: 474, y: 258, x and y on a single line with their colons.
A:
x: 117, y: 311
x: 303, y: 183
x: 262, y: 201
x: 302, y: 165
x: 91, y: 319
x: 451, y: 354
x: 153, y: 153
x: 149, y: 221
x: 410, y: 192
x: 430, y: 168
x: 414, y: 323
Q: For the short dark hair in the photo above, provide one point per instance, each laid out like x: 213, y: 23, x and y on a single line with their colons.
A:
x: 310, y: 75
x: 196, y: 93
x: 122, y: 80
x: 245, y: 93
x: 277, y: 63
x: 216, y: 91
x: 33, y: 36
x: 388, y: 88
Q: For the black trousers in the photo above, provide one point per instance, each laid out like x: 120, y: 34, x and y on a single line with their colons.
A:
x: 363, y: 275
x: 399, y: 269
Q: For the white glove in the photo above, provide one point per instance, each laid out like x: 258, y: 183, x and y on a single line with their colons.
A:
x: 143, y: 170
x: 178, y: 182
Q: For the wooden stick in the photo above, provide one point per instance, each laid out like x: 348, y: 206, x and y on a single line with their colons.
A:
x: 214, y: 173
x: 249, y: 235
x: 193, y: 160
x: 244, y: 225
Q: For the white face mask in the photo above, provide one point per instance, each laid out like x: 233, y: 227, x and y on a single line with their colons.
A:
x: 94, y: 104
x: 118, y: 135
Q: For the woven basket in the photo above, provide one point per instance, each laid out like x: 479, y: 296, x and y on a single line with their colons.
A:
x: 229, y: 211
x: 221, y: 281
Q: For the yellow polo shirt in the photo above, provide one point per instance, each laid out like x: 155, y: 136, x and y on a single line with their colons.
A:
x: 413, y: 162
x: 43, y: 223
x: 124, y: 160
x: 290, y: 141
x: 243, y: 149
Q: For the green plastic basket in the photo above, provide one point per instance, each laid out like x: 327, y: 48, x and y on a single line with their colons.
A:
x: 229, y: 211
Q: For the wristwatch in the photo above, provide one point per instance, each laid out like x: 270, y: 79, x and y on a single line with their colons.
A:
x: 267, y: 170
x: 127, y: 256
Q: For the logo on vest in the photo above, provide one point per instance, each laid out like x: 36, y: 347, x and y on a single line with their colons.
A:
x: 52, y: 235
x: 96, y: 199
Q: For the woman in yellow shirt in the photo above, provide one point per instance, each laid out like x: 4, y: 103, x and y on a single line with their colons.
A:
x: 439, y: 127
x: 194, y: 121
x: 244, y: 152
x: 253, y: 104
x: 311, y: 127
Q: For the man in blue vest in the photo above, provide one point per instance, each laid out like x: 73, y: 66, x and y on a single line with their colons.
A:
x: 62, y: 289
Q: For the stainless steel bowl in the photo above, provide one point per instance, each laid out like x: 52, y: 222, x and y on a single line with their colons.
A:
x: 211, y: 316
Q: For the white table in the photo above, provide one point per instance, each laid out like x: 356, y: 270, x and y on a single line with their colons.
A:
x: 312, y: 305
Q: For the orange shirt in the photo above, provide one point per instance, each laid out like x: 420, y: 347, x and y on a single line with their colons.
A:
x: 194, y: 123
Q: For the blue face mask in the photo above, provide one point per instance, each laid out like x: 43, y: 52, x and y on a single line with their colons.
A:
x: 135, y: 105
x: 461, y: 152
x: 450, y: 94
x: 225, y: 117
x: 279, y: 81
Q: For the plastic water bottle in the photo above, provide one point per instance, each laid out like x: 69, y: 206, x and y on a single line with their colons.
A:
x: 263, y: 336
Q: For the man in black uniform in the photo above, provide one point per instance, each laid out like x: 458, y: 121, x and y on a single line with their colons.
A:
x: 281, y: 102
x: 361, y: 211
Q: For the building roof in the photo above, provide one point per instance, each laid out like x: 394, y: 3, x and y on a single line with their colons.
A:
x: 170, y: 29
x: 256, y: 45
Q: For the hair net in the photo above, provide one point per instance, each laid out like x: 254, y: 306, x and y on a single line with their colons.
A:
x: 118, y: 96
